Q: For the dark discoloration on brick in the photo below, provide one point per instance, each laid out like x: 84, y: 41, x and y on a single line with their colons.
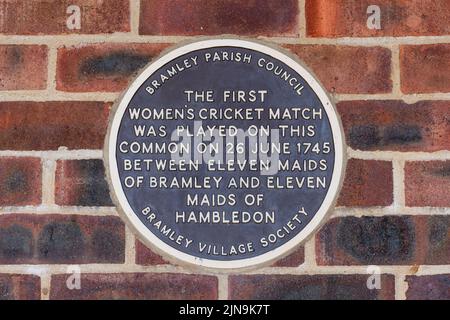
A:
x: 102, y: 67
x: 106, y: 245
x: 289, y: 287
x: 20, y: 181
x: 395, y: 125
x: 137, y: 286
x: 397, y: 240
x: 16, y: 242
x: 425, y: 69
x: 347, y: 69
x: 366, y: 136
x: 82, y: 183
x: 209, y: 17
x: 50, y: 125
x: 402, y: 134
x: 443, y: 171
x: 41, y: 239
x: 432, y: 287
x: 15, y: 57
x: 427, y: 183
x: 117, y: 63
x: 367, y: 183
x: 23, y: 67
x: 19, y: 287
x: 373, y: 240
x: 61, y: 241
x: 369, y: 136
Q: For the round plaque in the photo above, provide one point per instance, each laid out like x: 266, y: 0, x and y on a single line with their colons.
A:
x: 224, y: 153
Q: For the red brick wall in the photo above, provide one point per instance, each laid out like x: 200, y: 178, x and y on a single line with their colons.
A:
x: 392, y: 89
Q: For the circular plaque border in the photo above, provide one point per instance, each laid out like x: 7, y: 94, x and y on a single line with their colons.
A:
x: 151, y: 240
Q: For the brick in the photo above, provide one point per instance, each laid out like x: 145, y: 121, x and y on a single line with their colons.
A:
x: 388, y: 240
x: 51, y: 125
x: 81, y: 183
x: 50, y: 17
x: 393, y: 125
x: 23, y: 67
x: 347, y: 69
x: 432, y: 287
x: 138, y: 286
x: 348, y: 18
x: 425, y: 68
x: 317, y: 287
x: 48, y: 239
x: 20, y: 181
x: 146, y: 257
x: 20, y: 287
x: 213, y: 17
x: 427, y: 184
x: 367, y: 183
x: 102, y: 67
x: 295, y: 259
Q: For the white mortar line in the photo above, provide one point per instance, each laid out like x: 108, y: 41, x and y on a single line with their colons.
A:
x: 126, y: 37
x: 47, y: 95
x: 222, y: 287
x: 48, y: 181
x: 79, y: 154
x: 302, y: 270
x: 338, y: 212
x: 135, y: 8
x: 389, y: 211
x: 60, y: 210
x: 45, y: 286
x: 130, y: 247
x: 398, y: 176
x: 310, y: 253
x: 302, y: 18
x: 401, y: 286
x: 398, y: 155
x: 395, y: 70
x: 51, y: 70
x: 61, y: 154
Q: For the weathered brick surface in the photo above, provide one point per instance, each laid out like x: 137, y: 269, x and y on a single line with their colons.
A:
x: 102, y: 67
x: 396, y: 125
x: 294, y: 259
x: 347, y: 69
x: 20, y: 287
x: 146, y: 257
x: 20, y: 181
x: 291, y: 287
x: 50, y: 125
x: 367, y: 183
x: 427, y: 184
x: 49, y: 17
x: 210, y: 17
x: 348, y: 18
x: 433, y: 287
x: 395, y: 240
x: 23, y: 67
x: 425, y: 68
x: 137, y: 286
x: 81, y: 183
x: 42, y: 239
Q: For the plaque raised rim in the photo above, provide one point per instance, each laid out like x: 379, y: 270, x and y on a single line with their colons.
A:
x: 170, y: 253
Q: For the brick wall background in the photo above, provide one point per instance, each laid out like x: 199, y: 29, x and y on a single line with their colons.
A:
x: 392, y: 90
